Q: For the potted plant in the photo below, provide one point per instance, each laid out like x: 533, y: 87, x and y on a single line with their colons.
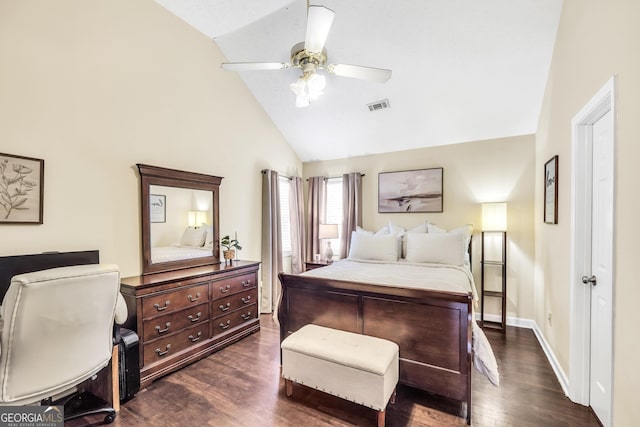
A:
x: 230, y: 245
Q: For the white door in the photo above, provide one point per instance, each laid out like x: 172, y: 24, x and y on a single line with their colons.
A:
x: 601, y: 282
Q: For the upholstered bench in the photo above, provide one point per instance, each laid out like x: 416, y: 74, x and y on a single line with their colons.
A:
x: 355, y: 367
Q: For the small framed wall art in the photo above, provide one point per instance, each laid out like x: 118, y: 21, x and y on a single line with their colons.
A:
x: 21, y: 189
x: 158, y: 207
x: 551, y: 191
x: 410, y: 191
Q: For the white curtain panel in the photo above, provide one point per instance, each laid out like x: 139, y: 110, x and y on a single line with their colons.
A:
x: 271, y: 242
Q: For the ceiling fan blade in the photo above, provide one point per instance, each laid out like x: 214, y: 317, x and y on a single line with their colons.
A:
x: 319, y: 20
x: 253, y: 66
x: 379, y: 75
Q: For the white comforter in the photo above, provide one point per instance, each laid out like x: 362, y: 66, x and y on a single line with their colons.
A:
x: 177, y: 252
x: 439, y: 277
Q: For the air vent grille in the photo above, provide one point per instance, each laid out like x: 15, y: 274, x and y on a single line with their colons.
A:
x: 379, y: 105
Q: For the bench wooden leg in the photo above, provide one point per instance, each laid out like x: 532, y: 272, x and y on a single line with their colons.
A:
x: 381, y: 415
x: 288, y: 385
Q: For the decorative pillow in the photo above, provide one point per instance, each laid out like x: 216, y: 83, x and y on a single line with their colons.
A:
x: 439, y: 248
x: 362, y: 230
x: 382, y: 247
x: 383, y: 230
x: 420, y: 228
x: 432, y: 228
x: 466, y: 231
x: 193, y: 236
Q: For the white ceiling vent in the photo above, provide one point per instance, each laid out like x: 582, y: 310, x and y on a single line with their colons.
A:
x: 379, y: 105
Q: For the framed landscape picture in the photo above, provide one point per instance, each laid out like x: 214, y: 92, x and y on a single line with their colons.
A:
x: 410, y: 191
x: 21, y: 189
x: 551, y: 191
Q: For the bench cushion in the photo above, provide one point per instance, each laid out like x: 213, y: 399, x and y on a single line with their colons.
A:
x: 355, y: 367
x: 357, y: 351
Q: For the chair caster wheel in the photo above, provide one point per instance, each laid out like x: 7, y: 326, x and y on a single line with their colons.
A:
x: 109, y: 418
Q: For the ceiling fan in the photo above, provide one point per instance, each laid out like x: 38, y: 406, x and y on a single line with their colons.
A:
x: 311, y: 56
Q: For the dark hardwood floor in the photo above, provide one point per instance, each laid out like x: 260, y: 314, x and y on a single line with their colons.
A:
x: 241, y: 386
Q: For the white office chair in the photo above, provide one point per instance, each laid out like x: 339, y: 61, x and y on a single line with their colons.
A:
x: 57, y: 333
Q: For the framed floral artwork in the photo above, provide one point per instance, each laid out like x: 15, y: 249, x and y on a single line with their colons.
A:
x: 21, y: 189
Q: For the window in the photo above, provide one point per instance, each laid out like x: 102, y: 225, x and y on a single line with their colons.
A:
x: 285, y: 223
x: 334, y: 210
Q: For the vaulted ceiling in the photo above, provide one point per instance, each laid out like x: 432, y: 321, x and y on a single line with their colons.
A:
x: 463, y: 70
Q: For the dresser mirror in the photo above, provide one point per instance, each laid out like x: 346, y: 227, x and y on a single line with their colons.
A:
x: 180, y: 219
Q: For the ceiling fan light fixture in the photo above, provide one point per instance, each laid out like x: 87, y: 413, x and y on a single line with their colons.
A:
x: 308, y: 88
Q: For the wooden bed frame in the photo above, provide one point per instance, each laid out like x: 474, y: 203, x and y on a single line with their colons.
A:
x: 432, y: 328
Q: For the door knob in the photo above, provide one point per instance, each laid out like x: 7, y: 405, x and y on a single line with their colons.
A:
x: 589, y: 280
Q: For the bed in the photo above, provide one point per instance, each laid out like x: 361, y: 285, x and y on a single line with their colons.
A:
x: 424, y: 306
x: 196, y: 242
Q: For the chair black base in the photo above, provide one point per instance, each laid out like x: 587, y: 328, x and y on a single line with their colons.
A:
x: 84, y: 404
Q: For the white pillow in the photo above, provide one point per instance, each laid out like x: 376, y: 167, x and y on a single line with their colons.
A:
x: 395, y: 229
x: 466, y: 231
x: 432, y: 228
x: 420, y: 228
x: 383, y: 230
x: 439, y: 248
x: 382, y: 247
x: 362, y: 230
x: 193, y: 236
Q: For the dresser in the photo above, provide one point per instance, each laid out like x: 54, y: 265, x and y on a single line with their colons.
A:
x: 184, y: 315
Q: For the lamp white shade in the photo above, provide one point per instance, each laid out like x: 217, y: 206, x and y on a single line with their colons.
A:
x: 494, y: 216
x: 328, y: 231
x: 197, y: 218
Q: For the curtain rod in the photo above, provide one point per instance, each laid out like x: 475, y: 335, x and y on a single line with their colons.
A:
x: 333, y: 177
x: 263, y: 171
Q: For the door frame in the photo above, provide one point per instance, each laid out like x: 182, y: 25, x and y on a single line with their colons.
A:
x: 580, y: 255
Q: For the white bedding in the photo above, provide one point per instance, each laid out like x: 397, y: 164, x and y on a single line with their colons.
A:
x: 405, y: 274
x: 177, y: 252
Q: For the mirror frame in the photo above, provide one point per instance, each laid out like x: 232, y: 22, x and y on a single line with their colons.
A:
x: 154, y: 175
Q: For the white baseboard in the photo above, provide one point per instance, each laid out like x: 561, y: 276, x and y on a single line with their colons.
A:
x: 531, y: 324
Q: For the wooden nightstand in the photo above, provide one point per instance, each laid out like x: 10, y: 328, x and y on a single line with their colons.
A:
x: 310, y: 265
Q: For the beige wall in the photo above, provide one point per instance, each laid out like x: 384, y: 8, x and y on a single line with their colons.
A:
x: 487, y: 171
x: 94, y: 88
x: 596, y: 40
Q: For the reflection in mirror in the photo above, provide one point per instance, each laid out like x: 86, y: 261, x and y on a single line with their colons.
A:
x: 181, y: 226
x: 180, y: 217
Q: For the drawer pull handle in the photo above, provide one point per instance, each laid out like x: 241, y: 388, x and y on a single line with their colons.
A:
x: 192, y: 299
x: 166, y: 328
x: 196, y: 338
x: 246, y: 316
x: 162, y: 353
x: 247, y: 283
x: 195, y: 319
x: 225, y: 307
x: 166, y: 304
x: 225, y: 289
x: 246, y: 300
x: 225, y: 325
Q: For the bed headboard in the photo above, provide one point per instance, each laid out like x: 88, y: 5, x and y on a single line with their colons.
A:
x: 18, y: 264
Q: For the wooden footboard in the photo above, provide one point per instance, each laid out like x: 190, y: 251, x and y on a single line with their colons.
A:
x: 432, y: 328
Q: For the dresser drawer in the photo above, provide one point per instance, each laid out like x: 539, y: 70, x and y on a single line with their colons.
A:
x: 170, y: 323
x: 238, y: 317
x: 176, y: 300
x: 165, y: 348
x: 226, y: 287
x: 226, y: 305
